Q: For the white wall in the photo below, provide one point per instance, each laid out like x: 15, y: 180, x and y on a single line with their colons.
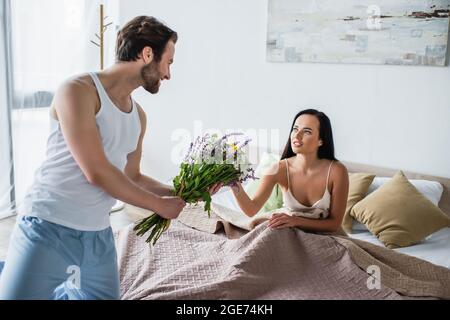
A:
x: 391, y: 116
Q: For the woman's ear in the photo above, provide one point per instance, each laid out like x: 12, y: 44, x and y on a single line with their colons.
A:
x: 320, y: 143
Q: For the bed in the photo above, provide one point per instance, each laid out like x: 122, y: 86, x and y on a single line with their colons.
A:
x: 436, y: 247
x: 201, y: 258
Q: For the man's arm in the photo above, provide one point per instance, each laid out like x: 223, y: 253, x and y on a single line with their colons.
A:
x: 133, y: 167
x: 75, y: 104
x: 154, y: 186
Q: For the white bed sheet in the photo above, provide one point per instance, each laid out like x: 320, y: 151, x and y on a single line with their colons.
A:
x: 435, y: 248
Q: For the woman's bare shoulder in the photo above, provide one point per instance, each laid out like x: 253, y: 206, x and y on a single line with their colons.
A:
x: 338, y: 171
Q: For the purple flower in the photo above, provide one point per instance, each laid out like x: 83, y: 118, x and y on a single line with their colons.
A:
x: 245, y: 143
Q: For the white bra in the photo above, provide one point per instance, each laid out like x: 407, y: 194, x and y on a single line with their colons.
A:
x: 319, y: 210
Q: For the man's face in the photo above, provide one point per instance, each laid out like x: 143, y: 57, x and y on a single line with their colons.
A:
x: 155, y: 72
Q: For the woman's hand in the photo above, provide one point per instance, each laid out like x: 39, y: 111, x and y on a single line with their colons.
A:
x: 281, y: 221
x: 215, y: 188
x: 236, y: 188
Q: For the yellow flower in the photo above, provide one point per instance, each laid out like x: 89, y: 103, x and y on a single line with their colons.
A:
x: 234, y: 147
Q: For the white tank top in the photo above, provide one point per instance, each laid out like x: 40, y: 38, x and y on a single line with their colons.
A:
x: 60, y: 192
x: 319, y: 210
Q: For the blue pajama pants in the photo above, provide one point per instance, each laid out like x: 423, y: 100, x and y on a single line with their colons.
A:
x: 48, y: 261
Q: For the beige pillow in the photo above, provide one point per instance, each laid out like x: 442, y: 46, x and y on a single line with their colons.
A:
x: 398, y: 214
x: 359, y: 183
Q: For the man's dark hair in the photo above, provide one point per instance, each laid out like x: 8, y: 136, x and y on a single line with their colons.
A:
x: 141, y: 32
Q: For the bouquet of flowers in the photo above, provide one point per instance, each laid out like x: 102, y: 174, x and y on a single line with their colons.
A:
x: 210, y: 161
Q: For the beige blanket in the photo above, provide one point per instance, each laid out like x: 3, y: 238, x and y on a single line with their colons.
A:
x: 203, y: 263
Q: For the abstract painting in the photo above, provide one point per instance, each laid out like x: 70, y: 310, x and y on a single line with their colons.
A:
x: 394, y: 32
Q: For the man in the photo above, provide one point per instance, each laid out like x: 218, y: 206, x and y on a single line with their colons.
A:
x: 62, y: 246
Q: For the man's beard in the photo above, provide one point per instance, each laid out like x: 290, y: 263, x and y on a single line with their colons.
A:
x: 151, y: 77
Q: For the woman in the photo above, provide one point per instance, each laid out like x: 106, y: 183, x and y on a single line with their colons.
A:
x: 314, y: 183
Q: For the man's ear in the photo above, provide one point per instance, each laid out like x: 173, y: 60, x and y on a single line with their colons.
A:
x: 147, y: 55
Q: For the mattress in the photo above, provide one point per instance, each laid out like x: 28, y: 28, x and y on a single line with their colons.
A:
x: 435, y: 248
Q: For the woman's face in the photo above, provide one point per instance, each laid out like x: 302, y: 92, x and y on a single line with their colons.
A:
x: 305, y: 136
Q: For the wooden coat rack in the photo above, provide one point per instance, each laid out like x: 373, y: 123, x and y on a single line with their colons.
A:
x: 101, y: 36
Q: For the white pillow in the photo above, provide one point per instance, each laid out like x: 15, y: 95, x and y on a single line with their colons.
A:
x: 358, y: 226
x: 268, y: 160
x: 432, y: 190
